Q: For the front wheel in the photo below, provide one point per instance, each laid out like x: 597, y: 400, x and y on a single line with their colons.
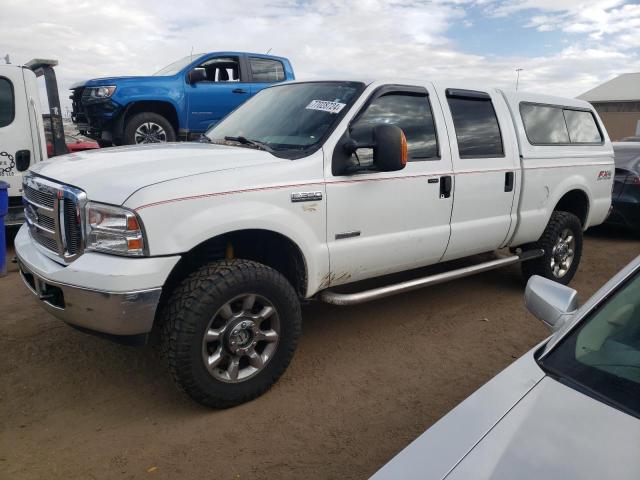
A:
x: 229, y: 331
x: 562, y: 245
x: 148, y: 127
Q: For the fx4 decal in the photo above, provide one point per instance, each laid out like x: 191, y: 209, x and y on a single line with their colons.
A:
x: 604, y: 175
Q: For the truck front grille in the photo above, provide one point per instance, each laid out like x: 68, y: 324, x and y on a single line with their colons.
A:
x: 53, y: 214
x: 38, y: 197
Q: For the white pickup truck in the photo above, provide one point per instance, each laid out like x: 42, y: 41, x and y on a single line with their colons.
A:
x: 306, y: 187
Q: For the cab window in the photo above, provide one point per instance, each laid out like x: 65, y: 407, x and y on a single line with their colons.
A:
x: 476, y: 124
x: 409, y: 111
x: 7, y: 102
x: 222, y: 69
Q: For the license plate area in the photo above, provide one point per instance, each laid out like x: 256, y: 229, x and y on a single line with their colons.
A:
x: 49, y: 294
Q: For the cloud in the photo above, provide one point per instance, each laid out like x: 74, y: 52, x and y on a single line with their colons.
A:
x: 327, y: 38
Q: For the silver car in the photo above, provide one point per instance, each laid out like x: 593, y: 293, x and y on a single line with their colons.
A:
x: 568, y: 409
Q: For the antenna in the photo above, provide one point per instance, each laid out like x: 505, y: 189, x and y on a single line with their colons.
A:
x: 268, y: 51
x: 518, y: 70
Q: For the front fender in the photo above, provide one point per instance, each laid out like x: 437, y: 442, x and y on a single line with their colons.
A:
x: 178, y: 225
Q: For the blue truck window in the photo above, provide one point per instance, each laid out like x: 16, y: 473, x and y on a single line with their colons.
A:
x: 222, y: 69
x: 265, y: 70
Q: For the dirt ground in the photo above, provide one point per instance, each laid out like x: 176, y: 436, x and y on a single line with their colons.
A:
x: 364, y: 382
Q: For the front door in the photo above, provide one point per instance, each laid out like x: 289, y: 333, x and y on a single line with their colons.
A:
x: 486, y: 167
x: 224, y: 89
x: 385, y: 222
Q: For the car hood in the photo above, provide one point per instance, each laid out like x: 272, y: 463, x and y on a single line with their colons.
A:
x: 525, y: 425
x: 112, y: 174
x: 96, y: 82
x: 556, y: 432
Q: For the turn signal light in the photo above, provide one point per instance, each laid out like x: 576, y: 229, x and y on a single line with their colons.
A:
x: 405, y: 153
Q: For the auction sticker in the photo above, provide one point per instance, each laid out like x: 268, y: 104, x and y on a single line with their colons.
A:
x: 325, y: 106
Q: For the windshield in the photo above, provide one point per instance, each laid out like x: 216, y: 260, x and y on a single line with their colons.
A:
x: 602, y: 356
x: 290, y: 119
x: 176, y: 66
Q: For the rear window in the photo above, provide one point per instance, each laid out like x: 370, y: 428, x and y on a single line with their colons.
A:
x: 582, y: 127
x: 266, y: 70
x: 476, y: 124
x: 554, y: 125
x: 7, y: 102
x: 544, y: 125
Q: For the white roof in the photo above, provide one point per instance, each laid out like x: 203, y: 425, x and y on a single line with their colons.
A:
x: 623, y: 88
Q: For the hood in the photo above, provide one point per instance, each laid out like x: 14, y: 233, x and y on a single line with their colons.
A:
x: 112, y: 174
x: 96, y: 82
x: 556, y: 432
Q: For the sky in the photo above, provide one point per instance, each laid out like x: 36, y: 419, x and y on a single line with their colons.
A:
x: 565, y: 47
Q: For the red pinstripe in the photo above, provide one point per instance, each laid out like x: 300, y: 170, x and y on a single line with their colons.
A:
x: 358, y: 180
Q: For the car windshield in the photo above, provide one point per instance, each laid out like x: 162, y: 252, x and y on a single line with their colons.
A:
x: 176, y: 66
x: 602, y: 356
x: 290, y: 120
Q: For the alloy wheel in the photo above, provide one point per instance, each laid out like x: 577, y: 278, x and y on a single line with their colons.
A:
x: 241, y: 338
x: 563, y: 253
x: 150, y: 132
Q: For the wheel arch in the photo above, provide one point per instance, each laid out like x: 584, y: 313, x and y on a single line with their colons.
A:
x: 575, y: 201
x: 264, y: 246
x: 164, y: 108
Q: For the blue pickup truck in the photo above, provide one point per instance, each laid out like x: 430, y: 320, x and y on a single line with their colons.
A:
x: 179, y: 102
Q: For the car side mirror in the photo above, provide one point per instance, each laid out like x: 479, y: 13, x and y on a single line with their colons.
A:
x: 389, y: 146
x: 196, y: 75
x: 550, y: 301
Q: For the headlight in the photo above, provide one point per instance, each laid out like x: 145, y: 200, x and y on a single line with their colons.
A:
x: 102, y: 92
x: 113, y: 230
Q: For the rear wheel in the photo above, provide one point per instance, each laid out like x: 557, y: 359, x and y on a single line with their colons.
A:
x: 229, y: 331
x: 148, y: 127
x: 562, y: 245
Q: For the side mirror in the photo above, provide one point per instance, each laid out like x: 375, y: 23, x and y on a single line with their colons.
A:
x: 550, y: 301
x: 196, y: 75
x: 389, y: 146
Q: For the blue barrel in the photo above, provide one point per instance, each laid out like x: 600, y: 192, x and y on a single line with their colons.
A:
x: 4, y: 208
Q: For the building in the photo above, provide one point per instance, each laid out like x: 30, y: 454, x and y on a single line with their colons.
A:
x: 618, y: 104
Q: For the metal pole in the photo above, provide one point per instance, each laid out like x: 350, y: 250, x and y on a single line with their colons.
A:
x: 518, y: 70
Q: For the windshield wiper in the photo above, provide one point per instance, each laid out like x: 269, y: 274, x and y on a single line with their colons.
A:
x: 253, y: 143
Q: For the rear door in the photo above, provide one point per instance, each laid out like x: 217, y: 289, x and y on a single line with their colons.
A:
x: 486, y: 169
x: 16, y: 145
x: 264, y: 72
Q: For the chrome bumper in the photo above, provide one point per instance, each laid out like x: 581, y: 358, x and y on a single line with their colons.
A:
x: 114, y: 313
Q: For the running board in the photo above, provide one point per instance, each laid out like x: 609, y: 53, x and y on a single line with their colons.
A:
x: 335, y: 298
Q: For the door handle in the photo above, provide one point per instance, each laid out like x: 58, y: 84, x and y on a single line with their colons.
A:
x: 238, y: 90
x: 445, y: 186
x: 508, y: 181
